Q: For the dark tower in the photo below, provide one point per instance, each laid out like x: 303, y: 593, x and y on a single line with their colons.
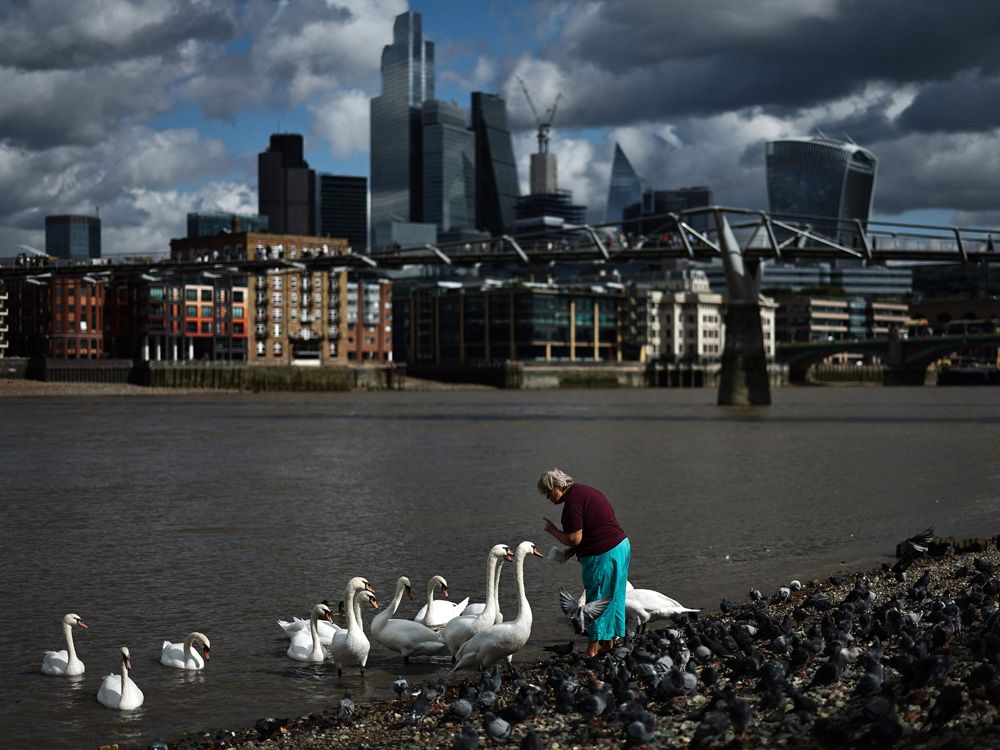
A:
x: 497, y: 188
x: 343, y: 209
x: 286, y: 186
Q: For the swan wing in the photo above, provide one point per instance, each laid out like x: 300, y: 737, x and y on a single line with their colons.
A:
x: 110, y: 692
x: 474, y: 610
x: 55, y: 662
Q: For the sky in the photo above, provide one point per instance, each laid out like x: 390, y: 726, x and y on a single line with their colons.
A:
x: 146, y: 110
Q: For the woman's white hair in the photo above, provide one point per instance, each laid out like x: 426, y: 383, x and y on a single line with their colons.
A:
x: 552, y: 479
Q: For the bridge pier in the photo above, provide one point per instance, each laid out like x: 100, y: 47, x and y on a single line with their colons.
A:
x: 904, y: 374
x: 743, y: 380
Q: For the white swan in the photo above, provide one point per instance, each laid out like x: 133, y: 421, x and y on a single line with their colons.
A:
x: 183, y: 656
x: 118, y: 690
x: 406, y: 637
x: 65, y: 662
x: 437, y: 612
x: 476, y: 608
x: 489, y: 646
x: 643, y: 606
x: 307, y: 646
x: 460, y: 629
x: 325, y: 628
x: 350, y: 646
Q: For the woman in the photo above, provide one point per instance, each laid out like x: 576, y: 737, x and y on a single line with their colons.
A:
x: 590, y: 529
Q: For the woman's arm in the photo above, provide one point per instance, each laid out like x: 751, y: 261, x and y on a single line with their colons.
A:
x: 571, y: 539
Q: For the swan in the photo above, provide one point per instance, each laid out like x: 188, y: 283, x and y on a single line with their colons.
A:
x: 407, y: 637
x: 118, y: 690
x: 182, y: 656
x: 496, y: 642
x: 65, y: 662
x: 326, y: 628
x: 477, y: 608
x: 350, y: 646
x: 643, y: 606
x: 437, y: 612
x: 460, y: 629
x: 306, y: 646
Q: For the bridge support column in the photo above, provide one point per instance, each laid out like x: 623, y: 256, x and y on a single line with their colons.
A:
x: 904, y: 374
x: 743, y: 380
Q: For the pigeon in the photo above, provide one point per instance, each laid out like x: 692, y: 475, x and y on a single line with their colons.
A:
x: 947, y: 707
x: 418, y: 709
x: 594, y: 704
x: 400, y: 686
x: 711, y: 731
x: 561, y: 649
x: 497, y: 729
x: 640, y: 731
x: 726, y: 606
x: 466, y: 739
x: 532, y: 741
x: 581, y: 615
x: 457, y: 712
x: 346, y: 709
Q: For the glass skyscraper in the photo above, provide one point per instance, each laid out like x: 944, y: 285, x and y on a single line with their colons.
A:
x: 73, y: 236
x: 208, y: 223
x: 821, y: 177
x: 449, y: 167
x: 625, y: 187
x: 497, y: 188
x: 396, y: 150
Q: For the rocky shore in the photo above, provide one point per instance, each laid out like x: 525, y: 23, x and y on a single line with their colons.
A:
x: 903, y: 656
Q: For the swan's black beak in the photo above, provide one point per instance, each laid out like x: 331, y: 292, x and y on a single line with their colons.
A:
x: 444, y: 591
x: 82, y: 624
x: 536, y: 553
x: 409, y: 592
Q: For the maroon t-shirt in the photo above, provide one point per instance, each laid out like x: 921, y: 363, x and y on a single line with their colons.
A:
x: 586, y: 508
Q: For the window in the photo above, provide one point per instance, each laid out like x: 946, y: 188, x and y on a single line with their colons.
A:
x: 206, y: 295
x: 238, y: 328
x: 260, y: 347
x: 276, y: 282
x: 192, y: 326
x: 206, y: 311
x: 277, y: 313
x: 277, y: 329
x: 191, y: 311
x: 277, y: 347
x: 206, y: 327
x: 237, y: 312
x: 276, y: 298
x: 191, y: 295
x: 238, y: 296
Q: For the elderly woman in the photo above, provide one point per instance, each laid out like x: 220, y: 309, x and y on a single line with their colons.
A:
x: 590, y: 529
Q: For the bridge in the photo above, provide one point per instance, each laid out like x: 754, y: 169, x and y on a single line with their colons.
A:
x: 740, y: 238
x: 905, y: 359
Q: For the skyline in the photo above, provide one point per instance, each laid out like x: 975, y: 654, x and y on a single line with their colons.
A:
x: 172, y: 101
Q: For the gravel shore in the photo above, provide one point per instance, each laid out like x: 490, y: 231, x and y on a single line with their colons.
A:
x: 885, y: 658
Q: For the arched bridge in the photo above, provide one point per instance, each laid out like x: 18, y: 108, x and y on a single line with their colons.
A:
x: 905, y: 359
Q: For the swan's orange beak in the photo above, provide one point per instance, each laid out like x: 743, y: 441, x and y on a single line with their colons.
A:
x: 444, y: 591
x: 536, y: 553
x: 508, y: 555
x: 127, y: 662
x: 82, y: 624
x: 409, y: 592
x: 207, y: 653
x: 374, y: 603
x: 369, y: 587
x: 328, y: 616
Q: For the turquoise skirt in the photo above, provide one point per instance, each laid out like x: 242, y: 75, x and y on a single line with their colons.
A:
x: 604, y: 575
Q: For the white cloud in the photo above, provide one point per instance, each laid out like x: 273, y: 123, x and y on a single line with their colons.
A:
x: 343, y: 122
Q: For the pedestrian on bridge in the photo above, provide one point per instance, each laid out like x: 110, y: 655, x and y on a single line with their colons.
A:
x: 591, y: 531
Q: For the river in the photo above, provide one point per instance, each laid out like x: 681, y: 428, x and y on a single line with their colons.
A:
x: 152, y: 517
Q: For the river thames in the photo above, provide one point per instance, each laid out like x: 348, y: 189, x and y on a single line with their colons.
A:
x: 152, y: 517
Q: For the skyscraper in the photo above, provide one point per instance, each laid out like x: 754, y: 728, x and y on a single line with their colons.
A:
x: 821, y: 177
x: 497, y: 188
x: 73, y: 236
x: 396, y: 151
x: 207, y: 223
x: 624, y: 188
x: 343, y: 209
x: 286, y: 186
x: 449, y: 168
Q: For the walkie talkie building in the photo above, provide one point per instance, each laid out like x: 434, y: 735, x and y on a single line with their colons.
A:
x: 821, y: 177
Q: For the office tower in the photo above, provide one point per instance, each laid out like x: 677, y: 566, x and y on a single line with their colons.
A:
x: 497, y: 189
x: 625, y: 187
x: 73, y: 236
x: 449, y: 168
x: 286, y: 186
x: 396, y: 152
x: 660, y: 202
x: 207, y: 223
x: 821, y: 177
x: 343, y: 209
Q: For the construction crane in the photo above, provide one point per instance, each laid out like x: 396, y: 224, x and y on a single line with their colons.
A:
x: 544, y: 123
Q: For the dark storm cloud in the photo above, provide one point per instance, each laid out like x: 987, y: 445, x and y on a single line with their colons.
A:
x: 637, y: 60
x: 968, y: 104
x: 73, y: 34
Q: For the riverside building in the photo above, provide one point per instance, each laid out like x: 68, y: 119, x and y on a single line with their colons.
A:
x: 73, y: 236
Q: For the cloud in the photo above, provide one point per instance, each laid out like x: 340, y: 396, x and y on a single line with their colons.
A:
x: 343, y: 122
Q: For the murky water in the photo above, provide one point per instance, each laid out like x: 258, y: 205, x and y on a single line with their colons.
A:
x: 154, y: 517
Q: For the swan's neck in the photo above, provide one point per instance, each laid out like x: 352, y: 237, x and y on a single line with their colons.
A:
x: 353, y: 611
x: 489, y: 612
x: 430, y: 594
x: 400, y: 588
x: 70, y: 647
x: 126, y: 684
x: 187, y: 648
x: 523, y: 618
x: 313, y: 630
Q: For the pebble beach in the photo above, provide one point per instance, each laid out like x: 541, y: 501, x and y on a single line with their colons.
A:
x: 902, y: 656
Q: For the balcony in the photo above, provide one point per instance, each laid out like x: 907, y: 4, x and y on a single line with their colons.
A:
x: 334, y: 333
x: 334, y: 316
x: 307, y: 317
